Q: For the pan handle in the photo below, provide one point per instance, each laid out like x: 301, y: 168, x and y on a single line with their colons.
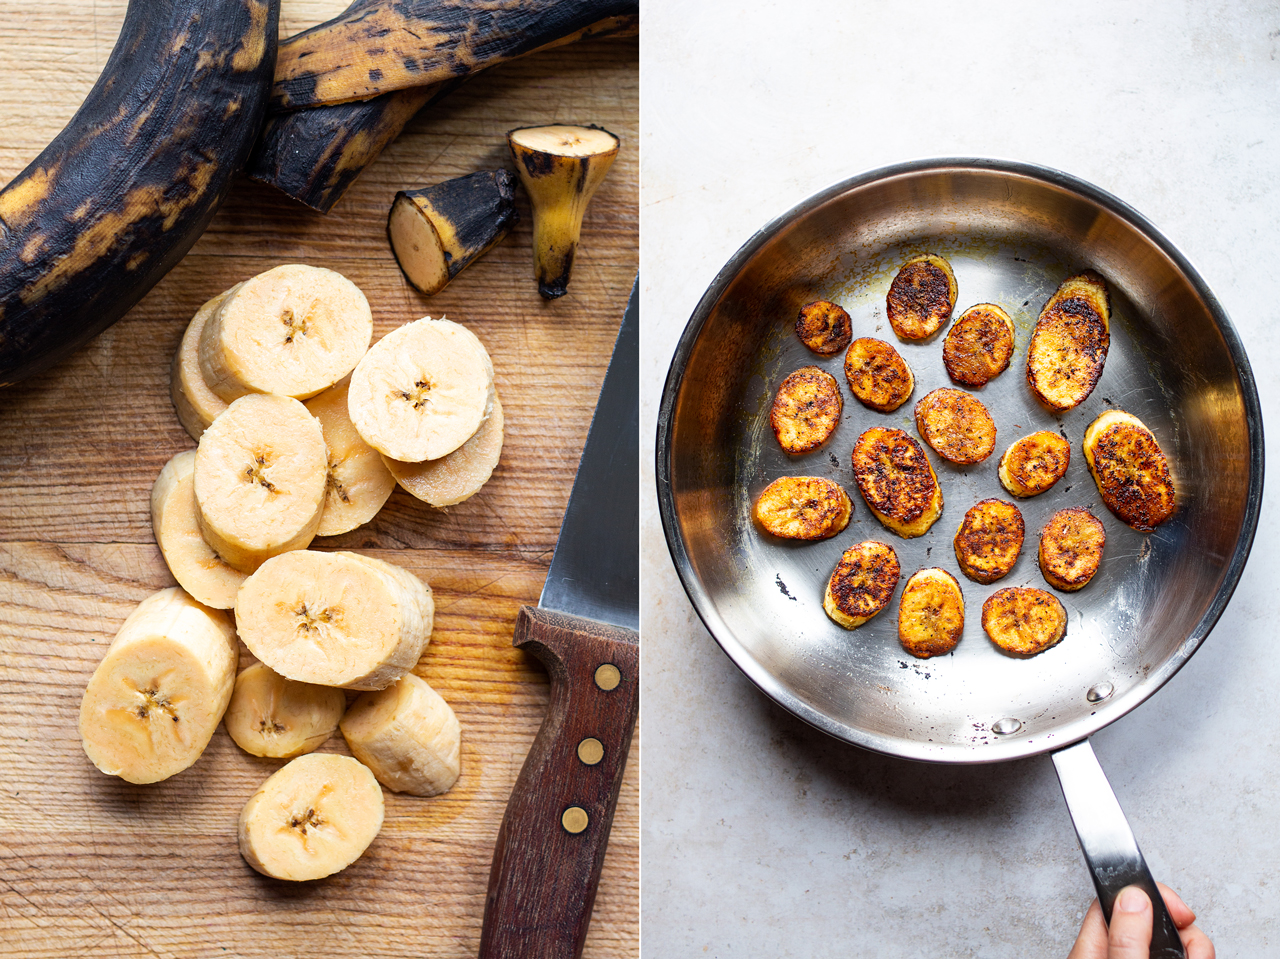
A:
x: 1112, y: 854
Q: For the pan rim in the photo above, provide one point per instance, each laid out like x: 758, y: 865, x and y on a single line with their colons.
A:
x: 761, y: 677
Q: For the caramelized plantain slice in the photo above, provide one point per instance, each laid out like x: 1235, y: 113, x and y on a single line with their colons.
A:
x: 1024, y: 621
x: 1034, y: 463
x: 824, y: 327
x: 806, y: 409
x: 897, y: 481
x: 921, y: 297
x: 956, y: 425
x: 1071, y: 548
x: 803, y: 507
x: 1130, y: 469
x: 878, y: 375
x: 930, y: 613
x: 862, y: 583
x: 979, y: 345
x: 1069, y: 345
x: 989, y: 540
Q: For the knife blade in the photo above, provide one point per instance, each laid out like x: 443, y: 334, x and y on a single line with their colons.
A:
x: 551, y: 844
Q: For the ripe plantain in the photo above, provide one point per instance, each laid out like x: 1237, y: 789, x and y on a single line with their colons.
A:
x: 921, y: 297
x: 862, y: 583
x: 930, y: 613
x: 803, y: 507
x: 121, y: 194
x: 1024, y: 621
x: 897, y: 481
x: 878, y: 375
x: 561, y: 167
x: 1034, y: 463
x: 956, y: 425
x: 806, y: 410
x: 358, y: 482
x: 1130, y: 469
x: 979, y: 345
x: 1071, y: 546
x: 824, y: 327
x: 989, y: 540
x: 1069, y: 344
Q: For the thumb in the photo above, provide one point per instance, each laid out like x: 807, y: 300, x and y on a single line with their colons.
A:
x: 1129, y: 936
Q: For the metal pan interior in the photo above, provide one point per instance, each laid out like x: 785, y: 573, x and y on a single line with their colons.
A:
x: 1012, y: 233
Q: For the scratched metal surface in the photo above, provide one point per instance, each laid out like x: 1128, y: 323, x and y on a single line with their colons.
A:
x: 1012, y: 233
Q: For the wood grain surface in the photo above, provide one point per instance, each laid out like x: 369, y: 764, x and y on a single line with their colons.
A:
x: 93, y: 866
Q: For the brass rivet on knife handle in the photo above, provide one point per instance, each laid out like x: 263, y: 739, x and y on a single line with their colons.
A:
x: 591, y: 750
x: 608, y: 677
x: 575, y: 820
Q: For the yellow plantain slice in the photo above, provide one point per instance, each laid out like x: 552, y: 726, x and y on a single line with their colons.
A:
x: 1130, y: 469
x: 979, y: 345
x: 458, y: 475
x: 989, y: 540
x: 1069, y: 345
x: 921, y: 297
x: 357, y: 483
x: 1071, y: 548
x: 930, y: 613
x: 878, y: 375
x: 824, y: 327
x: 806, y: 410
x: 1024, y: 621
x: 862, y: 583
x: 1031, y: 465
x: 803, y: 507
x: 956, y: 425
x: 196, y: 405
x: 897, y: 481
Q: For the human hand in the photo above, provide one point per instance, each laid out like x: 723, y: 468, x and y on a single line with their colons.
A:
x: 1130, y: 934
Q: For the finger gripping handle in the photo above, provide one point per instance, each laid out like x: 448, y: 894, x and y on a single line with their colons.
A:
x: 1109, y: 848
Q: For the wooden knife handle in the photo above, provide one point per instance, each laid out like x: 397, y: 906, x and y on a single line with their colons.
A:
x: 551, y: 844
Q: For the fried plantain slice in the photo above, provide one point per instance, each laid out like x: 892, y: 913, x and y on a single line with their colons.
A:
x: 979, y: 345
x: 878, y: 375
x: 921, y: 297
x: 897, y: 481
x: 824, y: 327
x: 1023, y: 620
x: 1069, y: 345
x: 803, y: 507
x: 989, y: 540
x: 1130, y: 469
x: 806, y: 409
x: 930, y: 613
x: 1071, y: 548
x: 956, y: 425
x: 862, y: 583
x: 1034, y: 463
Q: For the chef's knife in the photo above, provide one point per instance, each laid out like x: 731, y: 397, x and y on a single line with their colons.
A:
x: 551, y: 844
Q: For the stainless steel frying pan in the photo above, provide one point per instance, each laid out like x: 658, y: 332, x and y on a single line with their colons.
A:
x: 1012, y: 232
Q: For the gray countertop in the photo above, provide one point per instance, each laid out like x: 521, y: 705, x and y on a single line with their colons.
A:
x: 763, y: 837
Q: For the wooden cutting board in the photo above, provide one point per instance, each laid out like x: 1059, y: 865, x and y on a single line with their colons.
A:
x: 93, y: 866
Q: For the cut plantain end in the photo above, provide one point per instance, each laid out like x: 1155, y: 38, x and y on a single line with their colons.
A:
x: 561, y: 166
x: 437, y: 231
